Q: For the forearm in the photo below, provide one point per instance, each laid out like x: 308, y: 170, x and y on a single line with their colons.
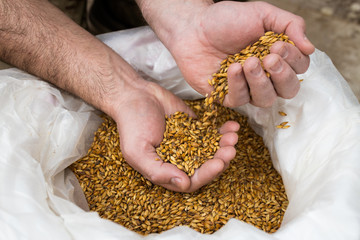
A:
x: 38, y: 38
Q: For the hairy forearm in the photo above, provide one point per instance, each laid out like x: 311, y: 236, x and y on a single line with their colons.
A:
x: 37, y: 37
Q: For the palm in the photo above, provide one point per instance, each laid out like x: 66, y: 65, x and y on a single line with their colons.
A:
x: 202, y: 52
x: 141, y: 126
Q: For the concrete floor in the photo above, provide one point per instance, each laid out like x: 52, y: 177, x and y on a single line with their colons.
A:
x: 329, y: 31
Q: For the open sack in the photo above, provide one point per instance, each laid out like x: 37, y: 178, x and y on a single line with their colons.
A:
x: 43, y: 130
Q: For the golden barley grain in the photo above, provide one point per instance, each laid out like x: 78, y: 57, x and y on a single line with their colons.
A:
x: 249, y: 190
x: 284, y: 123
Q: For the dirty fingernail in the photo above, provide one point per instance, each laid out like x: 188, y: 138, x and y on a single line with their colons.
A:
x: 283, y: 52
x: 277, y: 66
x: 256, y: 70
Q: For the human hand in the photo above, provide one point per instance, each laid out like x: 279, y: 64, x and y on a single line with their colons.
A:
x: 141, y: 125
x: 203, y: 36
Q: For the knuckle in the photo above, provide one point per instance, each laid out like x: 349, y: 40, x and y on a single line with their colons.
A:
x: 299, y: 20
x: 291, y: 94
x: 261, y: 4
x: 262, y: 84
x: 154, y: 177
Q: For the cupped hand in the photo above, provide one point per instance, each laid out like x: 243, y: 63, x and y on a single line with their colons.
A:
x: 227, y: 27
x: 141, y: 125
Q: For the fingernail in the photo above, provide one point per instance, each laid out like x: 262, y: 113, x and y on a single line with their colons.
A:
x: 276, y: 67
x: 256, y: 70
x: 176, y: 181
x: 283, y: 52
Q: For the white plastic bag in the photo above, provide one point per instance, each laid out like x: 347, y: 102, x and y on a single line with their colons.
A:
x: 43, y: 130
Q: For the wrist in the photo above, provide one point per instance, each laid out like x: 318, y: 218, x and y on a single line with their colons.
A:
x: 120, y: 83
x: 170, y: 18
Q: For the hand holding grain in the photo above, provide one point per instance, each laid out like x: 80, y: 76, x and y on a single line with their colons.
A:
x: 141, y: 129
x: 205, y: 35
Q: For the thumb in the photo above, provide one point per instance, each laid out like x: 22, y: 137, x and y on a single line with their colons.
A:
x: 169, y: 101
x: 158, y: 172
x: 282, y: 21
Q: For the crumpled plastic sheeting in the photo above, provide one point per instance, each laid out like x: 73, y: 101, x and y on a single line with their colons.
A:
x: 43, y: 130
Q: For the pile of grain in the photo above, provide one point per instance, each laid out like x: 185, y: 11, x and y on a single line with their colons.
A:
x: 249, y: 190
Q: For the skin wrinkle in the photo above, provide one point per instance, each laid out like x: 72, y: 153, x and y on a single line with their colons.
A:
x: 268, y: 15
x: 287, y: 25
x: 271, y: 18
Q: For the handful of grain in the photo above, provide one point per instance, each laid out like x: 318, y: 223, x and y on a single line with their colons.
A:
x: 259, y: 49
x: 188, y: 142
